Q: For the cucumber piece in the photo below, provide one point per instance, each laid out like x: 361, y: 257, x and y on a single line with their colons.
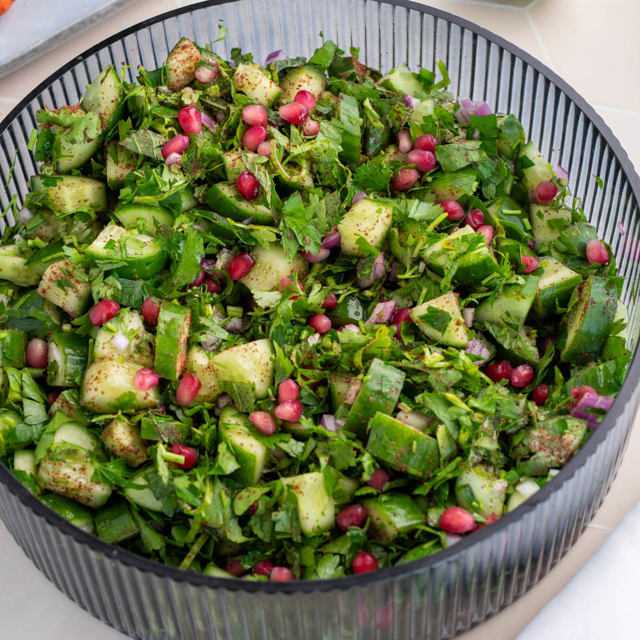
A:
x: 478, y: 490
x: 14, y: 268
x: 150, y: 217
x: 510, y: 306
x: 251, y: 80
x: 123, y: 439
x: 547, y: 224
x: 25, y: 460
x: 108, y: 387
x: 12, y: 346
x: 271, y: 267
x: 511, y: 136
x: 522, y: 492
x: 71, y: 433
x: 421, y: 119
x: 201, y: 364
x: 316, y: 509
x: 441, y: 320
x: 507, y: 213
x: 68, y: 355
x: 71, y: 194
x: 447, y: 445
x: 119, y: 163
x: 519, y: 347
x: 368, y: 219
x: 555, y: 286
x: 380, y: 390
x: 114, y: 522
x: 174, y: 323
x: 142, y: 256
x: 402, y: 80
x: 349, y: 311
x: 47, y: 226
x: 535, y: 168
x: 392, y: 514
x: 143, y: 496
x: 216, y: 572
x: 157, y: 427
x: 251, y: 454
x: 128, y: 323
x: 77, y: 515
x: 402, y: 447
x: 236, y: 161
x: 304, y: 78
x: 66, y: 286
x: 33, y: 314
x: 180, y: 66
x: 452, y: 186
x: 104, y: 96
x: 586, y: 326
x: 349, y: 116
x: 223, y: 197
x: 68, y: 404
x: 339, y: 384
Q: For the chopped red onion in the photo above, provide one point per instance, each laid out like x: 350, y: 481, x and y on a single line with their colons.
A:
x: 382, y: 313
x: 476, y: 348
x: 120, y: 341
x: 353, y: 391
x: 313, y: 258
x: 350, y: 327
x: 173, y: 158
x: 483, y: 109
x: 208, y: 264
x: 223, y: 259
x: 410, y: 101
x: 561, y: 173
x: 24, y: 215
x: 210, y: 344
x: 358, y: 197
x: 331, y: 423
x: 378, y: 270
x: 208, y: 122
x: 467, y: 316
x: 235, y: 325
x: 464, y: 112
x: 393, y: 272
x: 591, y: 401
x: 331, y: 239
x: 272, y: 57
x: 221, y: 402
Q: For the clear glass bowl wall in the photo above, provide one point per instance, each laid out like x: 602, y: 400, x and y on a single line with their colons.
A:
x: 435, y: 597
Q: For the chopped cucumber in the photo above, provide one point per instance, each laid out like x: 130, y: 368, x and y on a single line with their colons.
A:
x: 66, y: 286
x: 316, y: 509
x: 368, y: 219
x: 114, y: 522
x: 68, y: 354
x: 70, y: 510
x: 441, y: 320
x: 224, y: 198
x: 143, y: 495
x: 149, y: 217
x: 304, y: 78
x: 392, y: 514
x: 547, y: 223
x: 254, y: 83
x: 123, y: 439
x: 180, y: 66
x: 119, y: 163
x: 174, y: 323
x: 126, y: 324
x: 14, y: 268
x: 510, y: 306
x: 402, y: 80
x: 104, y: 96
x: 478, y: 490
x: 534, y: 166
x: 271, y: 267
x: 71, y: 194
x: 555, y: 286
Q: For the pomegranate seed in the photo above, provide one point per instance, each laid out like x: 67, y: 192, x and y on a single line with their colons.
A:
x: 453, y: 209
x: 145, y: 379
x: 289, y: 411
x: 426, y: 142
x: 281, y: 574
x: 187, y: 389
x: 330, y: 302
x: 475, y: 219
x: 213, y: 286
x: 255, y: 115
x: 103, y: 311
x: 530, y: 263
x: 457, y: 520
x: 190, y: 455
x: 320, y: 323
x: 264, y: 149
x: 597, y: 252
x: 424, y: 160
x: 288, y: 390
x: 364, y: 562
x: 151, y: 311
x: 52, y: 396
x: 253, y: 136
x: 497, y: 371
x: 190, y: 120
x: 578, y: 392
x: 293, y: 112
x: 540, y: 394
x: 310, y: 127
x: 240, y: 265
x: 352, y: 516
x: 404, y: 141
x: 248, y: 186
x: 263, y: 422
x: 487, y: 231
x: 199, y: 279
x: 400, y: 316
x: 546, y: 192
x: 235, y: 567
x: 405, y: 180
x: 306, y: 99
x: 264, y: 568
x: 253, y: 507
x: 378, y: 479
x: 178, y: 144
x: 522, y: 375
x: 531, y: 244
x: 37, y: 354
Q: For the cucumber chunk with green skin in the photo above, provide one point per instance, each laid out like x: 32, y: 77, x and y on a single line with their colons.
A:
x: 216, y: 572
x: 66, y: 286
x: 180, y: 66
x: 14, y: 268
x: 139, y: 255
x: 519, y: 347
x: 368, y: 219
x: 119, y: 163
x: 114, y: 522
x: 421, y: 119
x: 534, y: 166
x: 236, y: 161
x: 547, y: 224
x: 174, y: 323
x: 441, y: 320
x: 402, y: 447
x: 510, y: 306
x: 68, y: 404
x: 555, y: 286
x: 12, y: 347
x: 71, y: 194
x: 104, y: 97
x: 223, y: 197
x: 68, y: 355
x: 452, y: 186
x: 349, y: 115
x: 507, y: 213
x: 143, y: 495
x: 271, y: 267
x: 25, y: 460
x: 123, y: 439
x: 316, y: 509
x: 76, y: 514
x: 339, y: 384
x: 402, y: 80
x: 391, y: 515
x: 380, y: 390
x: 150, y: 217
x: 586, y: 326
x: 251, y: 80
x: 304, y: 78
x: 478, y: 490
x: 349, y: 311
x: 127, y: 323
x: 158, y: 427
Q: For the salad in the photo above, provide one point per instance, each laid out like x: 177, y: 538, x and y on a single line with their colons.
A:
x: 296, y: 320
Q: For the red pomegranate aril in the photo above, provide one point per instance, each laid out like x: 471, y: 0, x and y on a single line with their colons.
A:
x: 352, y: 516
x: 178, y: 144
x: 424, y: 160
x: 263, y: 568
x: 522, y: 375
x: 546, y: 192
x: 235, y: 567
x: 540, y: 394
x: 578, y: 392
x: 405, y: 180
x: 320, y: 323
x: 190, y: 120
x: 263, y: 422
x: 145, y: 379
x: 240, y: 265
x: 497, y: 371
x: 288, y: 390
x: 378, y: 479
x: 530, y: 263
x: 199, y: 279
x: 253, y: 136
x: 281, y: 574
x: 330, y: 302
x: 597, y: 252
x: 364, y: 562
x: 400, y: 316
x: 36, y: 354
x: 453, y: 209
x: 289, y: 411
x: 151, y: 311
x: 426, y: 142
x: 248, y: 186
x: 457, y: 520
x: 264, y: 149
x: 310, y: 127
x: 213, y: 286
x: 475, y: 219
x: 487, y: 231
x: 103, y: 311
x: 190, y: 455
x: 294, y: 113
x: 306, y: 99
x: 404, y: 141
x: 255, y: 115
x: 187, y: 389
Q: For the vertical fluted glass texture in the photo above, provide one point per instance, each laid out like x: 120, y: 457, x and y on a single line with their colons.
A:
x: 436, y: 597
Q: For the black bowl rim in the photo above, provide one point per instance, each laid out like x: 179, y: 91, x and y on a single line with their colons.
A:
x: 398, y: 571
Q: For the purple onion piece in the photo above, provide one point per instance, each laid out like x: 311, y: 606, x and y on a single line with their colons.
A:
x: 332, y: 239
x: 561, y: 173
x: 410, y: 101
x: 235, y: 325
x: 350, y: 327
x: 208, y: 264
x: 393, y: 272
x: 208, y: 122
x: 274, y: 55
x: 452, y: 538
x: 199, y: 279
x: 483, y: 109
x: 476, y: 348
x: 358, y: 197
x: 173, y: 158
x: 211, y: 344
x: 313, y: 258
x: 330, y: 423
x: 591, y: 401
x: 382, y: 313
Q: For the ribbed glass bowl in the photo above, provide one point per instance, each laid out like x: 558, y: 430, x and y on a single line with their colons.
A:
x: 435, y: 597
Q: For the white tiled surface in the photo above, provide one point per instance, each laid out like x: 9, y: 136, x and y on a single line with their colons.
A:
x: 594, y: 45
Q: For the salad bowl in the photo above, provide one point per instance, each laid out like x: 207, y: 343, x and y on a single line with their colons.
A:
x: 437, y: 596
